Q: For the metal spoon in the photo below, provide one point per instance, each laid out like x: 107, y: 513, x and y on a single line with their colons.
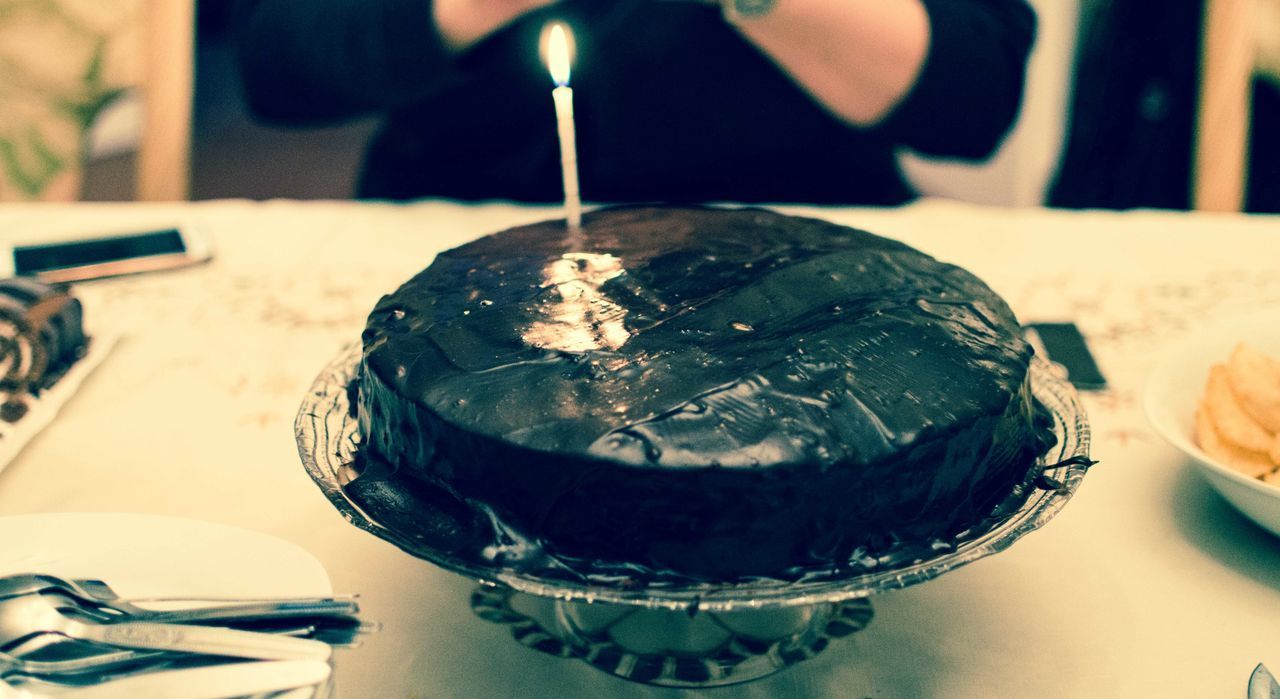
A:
x: 28, y: 615
x: 93, y: 663
x: 100, y: 590
x: 105, y: 661
x: 236, y: 679
x: 27, y: 583
x: 242, y: 612
x: 15, y: 585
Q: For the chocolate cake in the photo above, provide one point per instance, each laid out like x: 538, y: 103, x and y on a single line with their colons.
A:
x: 718, y: 393
x: 41, y: 336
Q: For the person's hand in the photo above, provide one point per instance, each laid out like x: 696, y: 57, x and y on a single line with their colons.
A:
x: 462, y: 23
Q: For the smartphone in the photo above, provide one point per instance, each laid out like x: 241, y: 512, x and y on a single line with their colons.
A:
x: 103, y: 256
x: 1063, y: 343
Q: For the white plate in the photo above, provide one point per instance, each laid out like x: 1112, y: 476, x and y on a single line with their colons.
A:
x: 152, y: 556
x: 1175, y: 387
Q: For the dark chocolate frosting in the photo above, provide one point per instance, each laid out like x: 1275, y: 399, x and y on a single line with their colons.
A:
x: 55, y: 313
x: 41, y: 336
x: 718, y: 392
x: 46, y: 321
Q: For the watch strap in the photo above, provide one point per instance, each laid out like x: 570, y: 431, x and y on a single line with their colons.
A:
x: 735, y: 10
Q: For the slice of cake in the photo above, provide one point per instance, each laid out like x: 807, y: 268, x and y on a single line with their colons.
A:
x: 41, y: 336
x: 715, y: 393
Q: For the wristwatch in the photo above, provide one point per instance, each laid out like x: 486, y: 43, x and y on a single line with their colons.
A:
x: 746, y: 9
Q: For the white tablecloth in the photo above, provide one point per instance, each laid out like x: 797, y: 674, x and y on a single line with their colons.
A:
x: 1147, y: 584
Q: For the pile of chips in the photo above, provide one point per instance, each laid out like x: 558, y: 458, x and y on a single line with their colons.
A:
x: 1238, y: 420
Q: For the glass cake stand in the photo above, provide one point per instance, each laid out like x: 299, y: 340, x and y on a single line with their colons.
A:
x: 675, y: 633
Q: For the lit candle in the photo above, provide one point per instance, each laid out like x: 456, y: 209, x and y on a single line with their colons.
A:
x: 558, y: 50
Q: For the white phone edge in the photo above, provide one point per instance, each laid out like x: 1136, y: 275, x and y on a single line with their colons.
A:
x: 196, y: 246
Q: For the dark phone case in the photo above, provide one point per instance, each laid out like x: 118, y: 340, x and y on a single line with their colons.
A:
x: 1064, y: 344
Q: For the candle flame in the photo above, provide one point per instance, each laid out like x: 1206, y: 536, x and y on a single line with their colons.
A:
x: 559, y: 51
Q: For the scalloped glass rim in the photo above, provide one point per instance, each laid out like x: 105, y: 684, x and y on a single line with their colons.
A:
x: 327, y: 438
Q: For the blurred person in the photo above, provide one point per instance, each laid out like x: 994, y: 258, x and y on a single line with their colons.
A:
x: 1263, y: 195
x: 758, y: 100
x: 1132, y: 126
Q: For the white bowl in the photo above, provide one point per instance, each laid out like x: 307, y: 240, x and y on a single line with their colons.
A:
x: 1174, y: 390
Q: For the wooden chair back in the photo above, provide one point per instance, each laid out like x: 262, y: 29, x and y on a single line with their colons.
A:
x: 1228, y: 54
x: 164, y: 153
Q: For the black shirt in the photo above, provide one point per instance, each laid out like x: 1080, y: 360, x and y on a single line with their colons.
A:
x: 671, y: 103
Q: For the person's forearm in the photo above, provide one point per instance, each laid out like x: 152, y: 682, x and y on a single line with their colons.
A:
x: 858, y: 58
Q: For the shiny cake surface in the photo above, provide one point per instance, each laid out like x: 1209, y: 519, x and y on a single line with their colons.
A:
x: 722, y: 393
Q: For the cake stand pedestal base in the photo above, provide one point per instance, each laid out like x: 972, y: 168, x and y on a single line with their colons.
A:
x: 672, y: 648
x: 665, y: 632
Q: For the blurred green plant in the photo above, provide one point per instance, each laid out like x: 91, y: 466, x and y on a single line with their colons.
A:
x: 61, y: 63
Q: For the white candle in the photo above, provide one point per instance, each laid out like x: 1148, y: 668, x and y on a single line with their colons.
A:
x: 558, y: 62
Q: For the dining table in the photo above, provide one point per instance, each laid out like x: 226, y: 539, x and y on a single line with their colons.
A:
x: 1145, y: 584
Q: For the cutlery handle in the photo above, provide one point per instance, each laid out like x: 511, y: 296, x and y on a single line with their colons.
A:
x: 250, y: 612
x: 239, y: 679
x: 102, y: 592
x: 232, y: 599
x: 206, y: 640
